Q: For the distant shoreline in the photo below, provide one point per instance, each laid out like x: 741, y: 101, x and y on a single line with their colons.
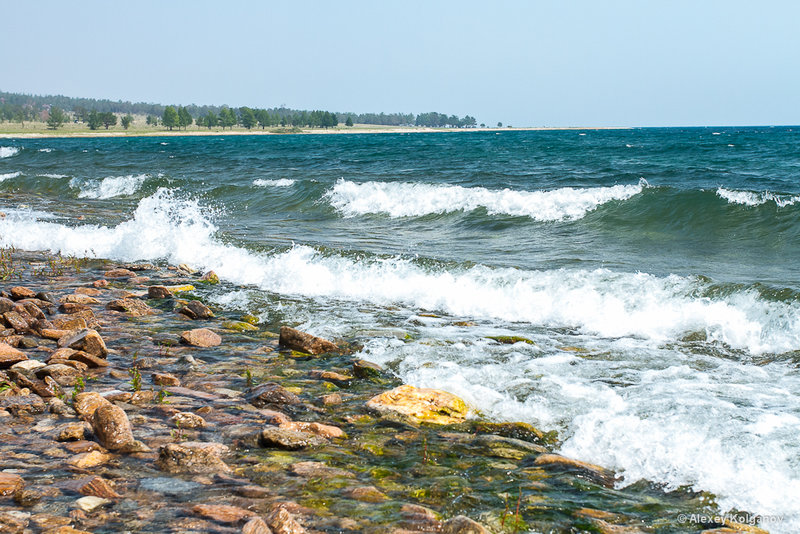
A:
x: 305, y: 131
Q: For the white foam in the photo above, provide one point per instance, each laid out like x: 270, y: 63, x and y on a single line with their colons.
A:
x: 401, y: 199
x: 54, y: 176
x: 281, y: 182
x: 748, y: 198
x: 8, y: 151
x: 112, y: 186
x: 8, y: 175
x: 45, y: 150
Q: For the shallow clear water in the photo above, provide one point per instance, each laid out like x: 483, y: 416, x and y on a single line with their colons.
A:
x: 656, y: 270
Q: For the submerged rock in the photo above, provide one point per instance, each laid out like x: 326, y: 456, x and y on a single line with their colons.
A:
x: 158, y: 292
x: 281, y: 521
x: 599, y: 475
x: 303, y: 342
x: 462, y: 525
x: 196, y: 310
x: 291, y: 440
x: 10, y: 483
x: 131, y: 306
x: 201, y: 337
x: 420, y: 405
x: 87, y: 340
x: 365, y: 369
x: 270, y: 394
x: 193, y: 457
x: 222, y: 513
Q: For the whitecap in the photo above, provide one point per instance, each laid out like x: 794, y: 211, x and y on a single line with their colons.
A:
x: 281, y: 182
x: 8, y: 151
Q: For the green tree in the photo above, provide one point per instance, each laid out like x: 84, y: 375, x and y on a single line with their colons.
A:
x: 56, y: 118
x: 94, y: 120
x: 184, y: 118
x: 210, y: 120
x: 127, y: 120
x: 499, y: 124
x: 109, y: 119
x: 248, y: 117
x: 170, y: 117
x: 349, y: 121
x: 227, y: 118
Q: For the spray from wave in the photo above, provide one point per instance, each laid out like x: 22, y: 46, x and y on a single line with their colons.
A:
x: 748, y: 198
x: 8, y: 151
x: 110, y: 187
x: 415, y: 200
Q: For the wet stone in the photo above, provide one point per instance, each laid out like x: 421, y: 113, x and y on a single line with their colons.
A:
x: 366, y: 494
x: 20, y: 292
x: 132, y: 306
x: 288, y: 439
x: 256, y: 525
x: 19, y: 405
x: 303, y: 342
x: 188, y: 420
x: 165, y: 379
x: 111, y: 427
x: 87, y: 340
x: 281, y: 521
x: 168, y: 485
x: 222, y: 513
x: 9, y: 483
x: 158, y: 292
x: 201, y: 337
x: 462, y: 525
x: 193, y: 457
x: 270, y: 394
x: 365, y: 369
x: 70, y: 432
x: 319, y: 470
x: 196, y: 310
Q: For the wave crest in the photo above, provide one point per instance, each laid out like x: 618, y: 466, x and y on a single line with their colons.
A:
x: 749, y: 198
x: 8, y: 151
x: 415, y: 200
x: 112, y: 186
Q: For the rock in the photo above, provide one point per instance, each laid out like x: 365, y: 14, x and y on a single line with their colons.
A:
x: 333, y: 399
x: 119, y: 273
x: 319, y: 470
x: 14, y: 320
x: 69, y: 323
x: 45, y: 296
x: 256, y: 525
x: 71, y: 307
x: 86, y: 403
x: 193, y: 457
x: 201, y: 337
x: 20, y: 292
x: 111, y: 427
x: 79, y: 299
x: 6, y: 305
x: 165, y: 379
x: 420, y: 405
x: 168, y: 485
x: 28, y: 342
x: 196, y: 310
x: 87, y: 460
x: 132, y: 306
x: 27, y: 498
x: 270, y: 393
x: 90, y: 503
x: 511, y: 340
x: 188, y: 420
x: 27, y: 366
x: 366, y: 494
x: 365, y: 369
x: 10, y: 483
x: 100, y: 283
x: 330, y: 376
x: 93, y: 486
x: 64, y: 375
x: 20, y: 405
x: 91, y: 291
x: 597, y: 474
x: 158, y: 292
x: 53, y: 333
x: 70, y: 432
x: 87, y: 340
x: 288, y: 439
x: 222, y: 513
x: 90, y: 360
x: 318, y: 429
x: 283, y: 522
x: 10, y: 356
x: 462, y: 525
x: 210, y: 278
x: 239, y: 326
x: 303, y: 342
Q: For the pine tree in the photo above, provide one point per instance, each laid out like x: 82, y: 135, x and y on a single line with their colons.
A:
x: 170, y: 118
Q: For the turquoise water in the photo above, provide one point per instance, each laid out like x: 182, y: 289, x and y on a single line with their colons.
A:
x: 668, y: 257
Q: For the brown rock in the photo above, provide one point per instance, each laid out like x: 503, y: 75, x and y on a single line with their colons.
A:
x: 366, y: 494
x: 303, y: 342
x: 318, y: 429
x: 79, y: 299
x: 93, y: 486
x: 91, y: 291
x: 100, y: 283
x: 87, y: 340
x: 131, y: 306
x: 64, y: 375
x: 462, y: 525
x: 158, y: 292
x: 20, y: 405
x: 283, y: 522
x: 332, y: 399
x: 77, y: 447
x: 87, y: 460
x: 9, y: 356
x: 420, y: 405
x: 196, y: 310
x: 270, y: 393
x: 19, y: 293
x: 90, y: 360
x: 165, y: 379
x: 222, y: 513
x: 69, y: 323
x: 52, y: 333
x: 111, y: 427
x: 6, y: 304
x: 319, y: 470
x: 193, y: 457
x: 330, y: 376
x: 256, y: 525
x: 70, y: 432
x: 288, y: 439
x: 188, y: 420
x: 201, y: 337
x: 71, y: 307
x: 119, y: 273
x: 600, y: 475
x: 16, y: 321
x: 87, y: 403
x: 10, y: 483
x: 365, y: 369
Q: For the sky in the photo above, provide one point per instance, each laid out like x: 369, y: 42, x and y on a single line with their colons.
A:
x: 522, y: 63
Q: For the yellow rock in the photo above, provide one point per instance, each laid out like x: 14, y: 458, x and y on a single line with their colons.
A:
x: 178, y: 289
x: 420, y: 405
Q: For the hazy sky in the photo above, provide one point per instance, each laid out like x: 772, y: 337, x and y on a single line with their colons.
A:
x: 525, y: 63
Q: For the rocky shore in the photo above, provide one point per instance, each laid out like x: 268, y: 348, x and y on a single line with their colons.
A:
x: 128, y: 404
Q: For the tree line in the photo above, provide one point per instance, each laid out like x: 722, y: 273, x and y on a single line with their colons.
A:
x: 23, y: 107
